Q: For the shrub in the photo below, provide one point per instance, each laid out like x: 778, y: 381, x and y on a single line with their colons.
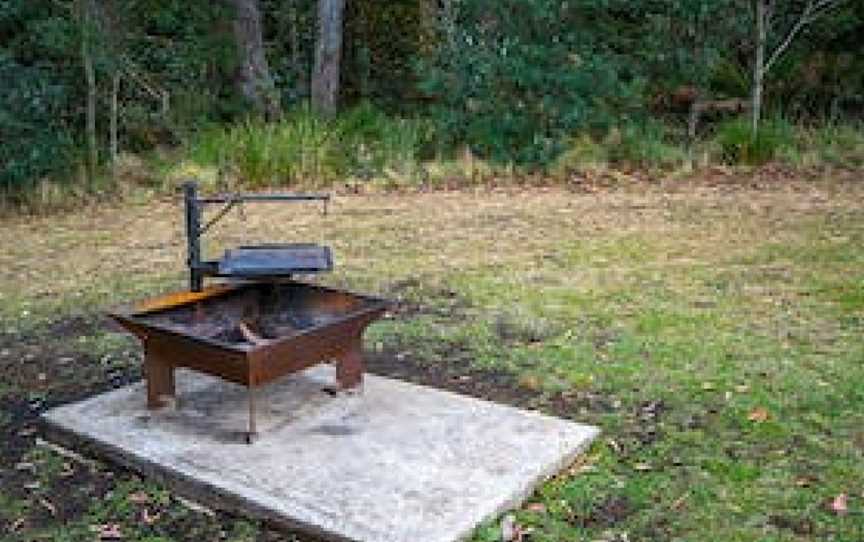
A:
x: 738, y: 146
x: 35, y: 142
x: 514, y: 79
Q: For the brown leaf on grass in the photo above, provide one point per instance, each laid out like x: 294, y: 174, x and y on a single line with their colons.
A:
x: 759, y: 415
x: 107, y: 531
x: 536, y: 507
x: 531, y: 382
x: 149, y: 519
x: 48, y: 505
x: 840, y: 504
x: 805, y: 481
x: 17, y: 524
x: 139, y: 497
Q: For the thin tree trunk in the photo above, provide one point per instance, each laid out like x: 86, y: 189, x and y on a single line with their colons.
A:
x: 253, y: 78
x: 759, y: 65
x: 86, y: 17
x: 328, y: 56
x: 300, y: 71
x: 115, y: 111
x: 429, y: 24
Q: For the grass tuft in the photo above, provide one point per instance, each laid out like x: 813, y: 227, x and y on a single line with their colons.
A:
x: 738, y: 146
x: 303, y: 148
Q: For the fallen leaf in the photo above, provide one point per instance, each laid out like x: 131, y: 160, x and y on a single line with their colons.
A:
x: 195, y: 507
x: 759, y: 415
x: 537, y: 507
x: 707, y: 386
x: 48, y: 505
x: 805, y: 481
x: 108, y: 531
x: 840, y: 504
x: 530, y: 382
x: 642, y: 467
x: 149, y: 519
x: 139, y: 497
x: 16, y: 525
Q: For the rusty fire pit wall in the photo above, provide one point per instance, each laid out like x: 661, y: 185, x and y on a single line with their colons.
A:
x: 250, y: 334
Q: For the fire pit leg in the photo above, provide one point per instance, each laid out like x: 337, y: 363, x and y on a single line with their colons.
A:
x: 252, y: 433
x: 160, y: 380
x: 349, y: 366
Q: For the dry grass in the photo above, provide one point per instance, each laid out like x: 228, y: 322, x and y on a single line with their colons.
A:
x: 103, y: 255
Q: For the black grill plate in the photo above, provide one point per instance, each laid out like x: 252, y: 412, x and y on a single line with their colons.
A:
x: 276, y: 260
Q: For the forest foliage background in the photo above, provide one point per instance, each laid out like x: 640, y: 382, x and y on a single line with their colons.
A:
x: 538, y: 85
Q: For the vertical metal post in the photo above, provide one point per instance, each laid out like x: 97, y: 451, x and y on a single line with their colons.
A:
x: 252, y: 429
x: 193, y: 235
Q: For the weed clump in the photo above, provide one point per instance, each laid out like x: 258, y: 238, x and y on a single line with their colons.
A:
x: 738, y: 145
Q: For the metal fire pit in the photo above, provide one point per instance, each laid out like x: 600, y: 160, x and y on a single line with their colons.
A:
x: 250, y: 334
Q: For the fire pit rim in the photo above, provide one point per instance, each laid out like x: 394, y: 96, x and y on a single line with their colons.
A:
x: 135, y: 317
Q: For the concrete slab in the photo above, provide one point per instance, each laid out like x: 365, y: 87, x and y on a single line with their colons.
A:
x: 397, y: 463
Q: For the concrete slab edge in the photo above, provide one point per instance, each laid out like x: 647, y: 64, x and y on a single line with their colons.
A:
x: 177, y: 482
x: 218, y: 499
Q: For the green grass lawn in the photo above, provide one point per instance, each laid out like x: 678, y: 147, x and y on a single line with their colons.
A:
x: 713, y: 331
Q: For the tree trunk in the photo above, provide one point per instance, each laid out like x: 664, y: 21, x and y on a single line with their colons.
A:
x: 86, y: 17
x: 328, y: 56
x: 759, y: 66
x: 298, y: 65
x: 115, y: 111
x: 429, y: 24
x: 252, y: 76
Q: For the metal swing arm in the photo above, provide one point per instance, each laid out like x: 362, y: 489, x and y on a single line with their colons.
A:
x: 194, y: 208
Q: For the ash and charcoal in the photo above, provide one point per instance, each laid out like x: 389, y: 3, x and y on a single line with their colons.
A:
x: 265, y: 313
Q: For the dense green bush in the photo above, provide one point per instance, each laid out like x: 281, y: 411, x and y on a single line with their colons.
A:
x: 514, y: 79
x: 34, y: 140
x: 538, y: 84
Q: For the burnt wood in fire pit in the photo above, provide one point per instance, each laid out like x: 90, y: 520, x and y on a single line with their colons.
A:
x: 250, y: 334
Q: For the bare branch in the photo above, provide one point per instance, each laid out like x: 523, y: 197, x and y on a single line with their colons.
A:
x: 814, y: 10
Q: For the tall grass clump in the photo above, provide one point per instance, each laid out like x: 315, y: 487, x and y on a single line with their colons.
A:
x: 305, y: 149
x: 737, y: 145
x: 831, y: 144
x: 642, y: 145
